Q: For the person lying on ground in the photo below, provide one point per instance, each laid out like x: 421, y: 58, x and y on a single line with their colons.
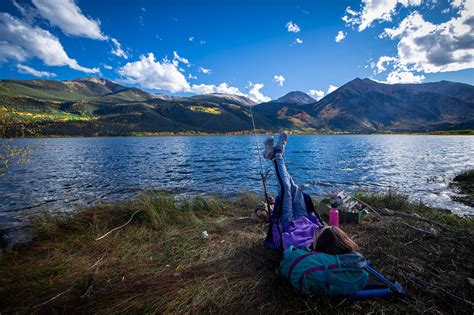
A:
x: 317, y: 259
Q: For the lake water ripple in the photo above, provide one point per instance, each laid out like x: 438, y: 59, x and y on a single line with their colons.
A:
x: 66, y: 173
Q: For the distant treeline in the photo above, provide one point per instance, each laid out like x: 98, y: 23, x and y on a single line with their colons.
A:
x: 453, y: 132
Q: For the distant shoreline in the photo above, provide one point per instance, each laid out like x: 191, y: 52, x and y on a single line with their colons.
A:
x: 249, y: 133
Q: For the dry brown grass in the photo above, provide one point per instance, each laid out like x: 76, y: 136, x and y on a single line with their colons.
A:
x: 157, y: 264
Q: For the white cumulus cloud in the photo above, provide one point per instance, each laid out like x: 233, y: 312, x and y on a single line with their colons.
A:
x: 427, y: 47
x: 11, y: 52
x: 204, y: 70
x: 340, y: 36
x: 20, y: 8
x: 149, y: 73
x: 292, y: 27
x: 398, y: 76
x: 191, y: 38
x: 26, y: 41
x: 204, y: 88
x: 254, y: 92
x: 156, y: 75
x: 255, y: 95
x: 117, y: 49
x: 279, y: 79
x: 28, y: 70
x: 177, y: 58
x: 298, y: 41
x: 423, y: 46
x: 211, y: 88
x: 331, y: 89
x: 382, y: 62
x: 374, y: 10
x: 66, y: 15
x: 317, y: 94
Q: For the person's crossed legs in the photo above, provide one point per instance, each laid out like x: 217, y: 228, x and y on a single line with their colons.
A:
x: 292, y: 205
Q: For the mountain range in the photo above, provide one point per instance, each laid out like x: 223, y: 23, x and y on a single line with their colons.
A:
x: 96, y: 106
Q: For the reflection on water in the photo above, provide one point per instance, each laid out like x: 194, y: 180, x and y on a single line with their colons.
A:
x: 65, y: 173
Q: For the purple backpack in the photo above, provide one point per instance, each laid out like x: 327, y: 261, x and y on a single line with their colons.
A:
x: 300, y: 232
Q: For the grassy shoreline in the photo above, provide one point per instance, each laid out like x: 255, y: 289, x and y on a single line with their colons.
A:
x: 157, y: 263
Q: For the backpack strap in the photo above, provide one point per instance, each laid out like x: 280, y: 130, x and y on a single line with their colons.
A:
x: 307, y: 272
x: 310, y: 208
x: 297, y: 261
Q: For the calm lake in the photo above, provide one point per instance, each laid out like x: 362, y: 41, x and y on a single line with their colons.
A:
x: 61, y: 174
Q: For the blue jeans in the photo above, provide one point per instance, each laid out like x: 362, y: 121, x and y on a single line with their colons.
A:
x: 291, y: 197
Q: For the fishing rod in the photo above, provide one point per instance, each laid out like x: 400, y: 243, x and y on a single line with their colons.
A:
x: 262, y: 174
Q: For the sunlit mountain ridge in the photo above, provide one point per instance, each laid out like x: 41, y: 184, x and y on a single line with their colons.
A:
x: 96, y: 106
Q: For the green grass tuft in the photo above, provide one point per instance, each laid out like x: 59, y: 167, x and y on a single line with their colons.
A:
x: 400, y: 202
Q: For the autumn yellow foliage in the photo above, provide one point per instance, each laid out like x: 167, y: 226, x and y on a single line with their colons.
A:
x: 208, y: 110
x: 60, y: 116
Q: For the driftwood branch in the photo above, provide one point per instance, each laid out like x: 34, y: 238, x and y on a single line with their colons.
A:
x: 441, y: 289
x: 413, y: 215
x: 368, y: 206
x: 420, y: 230
x: 52, y: 299
x: 97, y: 262
x: 118, y: 227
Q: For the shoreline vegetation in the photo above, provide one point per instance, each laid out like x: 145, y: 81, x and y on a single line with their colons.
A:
x: 467, y: 132
x: 464, y: 184
x: 145, y: 255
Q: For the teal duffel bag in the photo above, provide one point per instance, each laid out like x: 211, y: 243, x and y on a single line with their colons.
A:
x: 315, y: 273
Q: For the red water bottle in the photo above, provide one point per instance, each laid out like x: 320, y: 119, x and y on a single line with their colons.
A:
x: 333, y: 217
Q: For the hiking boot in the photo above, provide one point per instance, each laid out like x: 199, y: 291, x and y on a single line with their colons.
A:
x: 281, y: 143
x: 268, y: 153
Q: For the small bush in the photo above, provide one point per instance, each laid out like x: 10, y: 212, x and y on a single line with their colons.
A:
x: 466, y: 176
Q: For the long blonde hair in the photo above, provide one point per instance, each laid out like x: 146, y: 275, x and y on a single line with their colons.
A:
x: 334, y: 241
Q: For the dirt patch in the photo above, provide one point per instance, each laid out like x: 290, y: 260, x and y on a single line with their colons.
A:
x: 329, y: 112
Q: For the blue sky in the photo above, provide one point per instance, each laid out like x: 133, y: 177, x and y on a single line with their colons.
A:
x: 262, y: 49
